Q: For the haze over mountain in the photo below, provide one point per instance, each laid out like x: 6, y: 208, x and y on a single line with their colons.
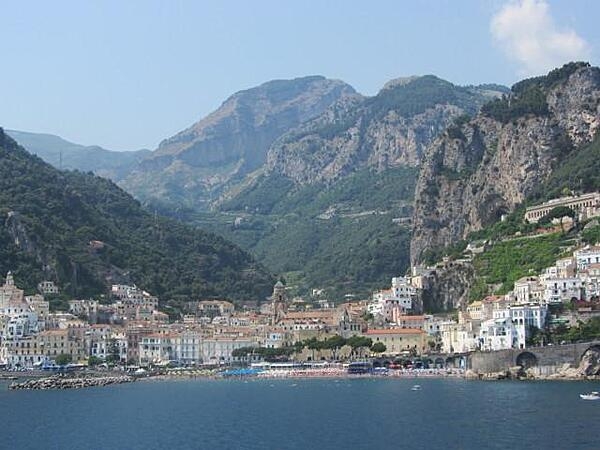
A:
x: 66, y: 155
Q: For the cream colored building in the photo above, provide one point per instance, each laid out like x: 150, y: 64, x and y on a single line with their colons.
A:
x: 399, y: 340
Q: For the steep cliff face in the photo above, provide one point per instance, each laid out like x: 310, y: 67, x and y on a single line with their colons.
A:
x: 389, y: 130
x: 447, y: 287
x: 192, y: 166
x: 479, y: 170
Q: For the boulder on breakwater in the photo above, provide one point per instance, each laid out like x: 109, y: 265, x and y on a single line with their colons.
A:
x: 58, y: 382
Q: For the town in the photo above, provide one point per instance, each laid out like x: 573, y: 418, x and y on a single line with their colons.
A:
x: 129, y: 329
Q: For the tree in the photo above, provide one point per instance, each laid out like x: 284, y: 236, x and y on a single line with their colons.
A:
x: 93, y: 361
x: 359, y: 342
x: 114, y: 354
x: 378, y: 347
x: 314, y: 344
x: 334, y: 343
x: 560, y: 212
x: 63, y: 359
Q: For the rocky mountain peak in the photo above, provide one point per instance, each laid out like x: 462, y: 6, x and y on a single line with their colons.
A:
x: 192, y: 166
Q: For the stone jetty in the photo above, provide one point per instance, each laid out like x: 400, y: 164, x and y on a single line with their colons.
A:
x: 58, y: 382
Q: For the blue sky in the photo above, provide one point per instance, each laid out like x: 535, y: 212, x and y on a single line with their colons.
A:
x: 127, y: 74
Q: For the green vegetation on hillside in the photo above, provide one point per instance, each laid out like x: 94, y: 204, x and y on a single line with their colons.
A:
x: 578, y: 171
x: 420, y: 94
x: 51, y: 217
x: 507, y: 261
x: 341, y: 237
x: 583, y: 332
x: 528, y: 96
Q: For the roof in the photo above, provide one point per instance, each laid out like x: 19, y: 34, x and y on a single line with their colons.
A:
x: 395, y: 331
x: 314, y: 314
x: 492, y: 298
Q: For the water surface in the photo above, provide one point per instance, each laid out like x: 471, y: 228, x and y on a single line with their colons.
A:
x: 304, y: 414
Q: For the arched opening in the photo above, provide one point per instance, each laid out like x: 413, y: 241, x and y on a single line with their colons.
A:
x: 439, y: 363
x: 527, y: 360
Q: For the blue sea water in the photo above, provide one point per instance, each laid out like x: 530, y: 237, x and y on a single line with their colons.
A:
x: 304, y: 414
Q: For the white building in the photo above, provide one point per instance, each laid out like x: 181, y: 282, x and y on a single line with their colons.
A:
x: 389, y: 304
x: 526, y: 316
x: 47, y: 287
x: 528, y: 289
x: 587, y: 256
x: 562, y: 290
x: 158, y: 349
x: 189, y: 350
x: 590, y: 280
x: 217, y: 350
x: 498, y: 334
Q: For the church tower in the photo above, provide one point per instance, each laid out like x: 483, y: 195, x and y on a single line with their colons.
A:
x: 278, y: 302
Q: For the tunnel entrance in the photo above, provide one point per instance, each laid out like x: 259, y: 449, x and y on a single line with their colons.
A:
x: 527, y: 360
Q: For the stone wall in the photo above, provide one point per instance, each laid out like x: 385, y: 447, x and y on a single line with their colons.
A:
x: 548, y: 359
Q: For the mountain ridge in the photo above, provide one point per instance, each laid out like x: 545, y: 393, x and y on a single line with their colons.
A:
x: 67, y: 155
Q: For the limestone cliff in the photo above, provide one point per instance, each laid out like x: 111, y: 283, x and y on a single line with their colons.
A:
x: 478, y: 170
x: 191, y: 167
x: 447, y: 286
x: 390, y: 129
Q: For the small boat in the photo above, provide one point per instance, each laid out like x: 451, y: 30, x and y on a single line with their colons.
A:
x: 591, y: 396
x: 416, y: 387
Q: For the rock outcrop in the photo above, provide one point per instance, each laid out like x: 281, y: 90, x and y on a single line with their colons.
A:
x: 477, y: 171
x: 447, y: 287
x: 194, y: 165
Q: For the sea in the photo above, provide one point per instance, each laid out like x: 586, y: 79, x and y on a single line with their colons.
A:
x: 365, y: 413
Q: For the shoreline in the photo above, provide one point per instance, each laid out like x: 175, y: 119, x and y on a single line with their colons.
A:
x: 80, y: 381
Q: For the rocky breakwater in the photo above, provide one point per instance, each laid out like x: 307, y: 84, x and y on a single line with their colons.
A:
x: 588, y: 369
x: 60, y: 382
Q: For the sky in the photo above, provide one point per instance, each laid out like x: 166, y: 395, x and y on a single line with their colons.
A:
x: 127, y: 74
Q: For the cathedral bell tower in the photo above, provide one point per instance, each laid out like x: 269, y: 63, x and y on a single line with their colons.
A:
x: 278, y: 302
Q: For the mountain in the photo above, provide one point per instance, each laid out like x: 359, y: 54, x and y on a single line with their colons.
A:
x: 194, y: 166
x: 66, y: 155
x: 390, y: 129
x: 83, y: 232
x: 482, y: 169
x: 333, y: 203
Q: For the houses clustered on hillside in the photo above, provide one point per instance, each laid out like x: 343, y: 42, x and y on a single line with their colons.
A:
x: 131, y: 330
x: 509, y: 321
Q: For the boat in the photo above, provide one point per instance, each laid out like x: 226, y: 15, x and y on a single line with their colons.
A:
x: 416, y: 387
x: 591, y: 396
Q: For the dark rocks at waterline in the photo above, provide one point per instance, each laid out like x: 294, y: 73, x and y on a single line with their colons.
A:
x: 69, y: 383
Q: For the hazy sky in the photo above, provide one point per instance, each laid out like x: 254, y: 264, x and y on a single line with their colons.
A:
x: 127, y: 74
